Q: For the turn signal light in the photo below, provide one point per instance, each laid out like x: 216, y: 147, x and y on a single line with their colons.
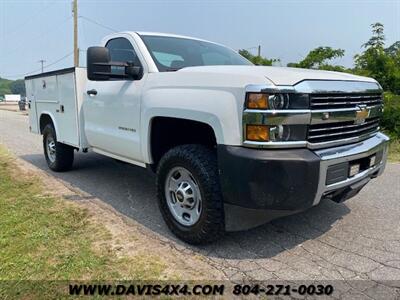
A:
x: 257, y: 101
x: 257, y: 133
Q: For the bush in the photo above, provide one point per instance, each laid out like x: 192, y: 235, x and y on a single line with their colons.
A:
x: 391, y: 115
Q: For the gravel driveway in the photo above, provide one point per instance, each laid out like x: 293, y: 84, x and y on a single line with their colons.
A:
x: 359, y: 239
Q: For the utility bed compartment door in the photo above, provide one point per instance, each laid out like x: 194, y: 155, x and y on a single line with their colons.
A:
x: 67, y: 112
x: 33, y: 121
x: 54, y: 94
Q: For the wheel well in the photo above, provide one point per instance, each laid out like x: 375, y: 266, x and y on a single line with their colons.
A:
x: 167, y: 133
x: 44, y: 120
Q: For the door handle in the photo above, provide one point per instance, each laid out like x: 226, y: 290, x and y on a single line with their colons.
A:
x: 92, y: 92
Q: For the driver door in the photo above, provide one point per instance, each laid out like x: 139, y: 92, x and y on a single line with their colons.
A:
x: 112, y: 115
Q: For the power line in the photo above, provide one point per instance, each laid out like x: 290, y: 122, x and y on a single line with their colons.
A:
x: 41, y: 69
x: 21, y: 75
x: 61, y: 59
x: 98, y: 24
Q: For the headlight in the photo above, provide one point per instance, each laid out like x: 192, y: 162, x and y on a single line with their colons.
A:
x: 276, y: 133
x: 275, y: 117
x: 267, y: 101
x: 276, y: 101
x: 280, y: 133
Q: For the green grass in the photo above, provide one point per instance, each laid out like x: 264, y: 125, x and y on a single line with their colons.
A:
x: 44, y: 238
x: 394, y: 151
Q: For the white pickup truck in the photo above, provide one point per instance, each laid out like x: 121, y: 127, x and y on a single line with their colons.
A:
x: 233, y: 145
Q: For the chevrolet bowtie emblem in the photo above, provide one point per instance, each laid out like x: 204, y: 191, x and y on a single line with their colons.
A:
x: 362, y: 114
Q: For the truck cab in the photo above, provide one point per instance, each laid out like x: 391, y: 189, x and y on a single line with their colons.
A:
x: 233, y: 145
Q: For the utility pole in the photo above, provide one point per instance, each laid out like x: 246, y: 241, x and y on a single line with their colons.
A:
x: 259, y: 50
x: 42, y: 61
x: 76, y: 49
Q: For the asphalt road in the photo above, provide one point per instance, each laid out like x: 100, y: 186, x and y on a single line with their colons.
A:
x: 359, y: 239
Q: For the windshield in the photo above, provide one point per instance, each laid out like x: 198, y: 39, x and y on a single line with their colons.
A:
x: 172, y: 54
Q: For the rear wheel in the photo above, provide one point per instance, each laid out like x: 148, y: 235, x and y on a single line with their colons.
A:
x: 59, y: 157
x: 189, y: 194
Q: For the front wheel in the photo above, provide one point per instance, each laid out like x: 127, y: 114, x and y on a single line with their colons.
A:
x: 59, y: 157
x: 189, y: 194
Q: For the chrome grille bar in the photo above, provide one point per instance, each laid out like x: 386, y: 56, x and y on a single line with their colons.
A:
x: 328, y: 136
x: 335, y: 131
x: 332, y: 101
x: 348, y: 125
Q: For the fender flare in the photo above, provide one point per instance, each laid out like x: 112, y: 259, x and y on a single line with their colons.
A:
x: 184, y: 114
x: 53, y: 119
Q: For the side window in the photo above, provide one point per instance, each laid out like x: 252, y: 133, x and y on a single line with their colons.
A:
x: 121, y: 50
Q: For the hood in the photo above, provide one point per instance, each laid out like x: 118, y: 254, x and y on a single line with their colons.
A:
x: 279, y: 75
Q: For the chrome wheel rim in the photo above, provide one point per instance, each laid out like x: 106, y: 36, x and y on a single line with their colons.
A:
x: 183, y: 196
x: 51, y: 148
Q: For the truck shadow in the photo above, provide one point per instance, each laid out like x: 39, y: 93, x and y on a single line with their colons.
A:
x: 130, y: 190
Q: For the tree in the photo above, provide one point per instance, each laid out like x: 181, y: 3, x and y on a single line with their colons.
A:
x: 377, y: 41
x: 378, y: 62
x: 257, y: 60
x: 4, y: 87
x: 18, y: 87
x: 316, y: 59
x: 394, y: 52
x: 383, y: 65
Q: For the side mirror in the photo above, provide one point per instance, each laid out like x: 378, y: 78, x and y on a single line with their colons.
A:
x: 132, y: 71
x: 98, y: 64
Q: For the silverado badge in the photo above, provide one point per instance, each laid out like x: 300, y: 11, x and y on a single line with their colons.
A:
x: 361, y: 114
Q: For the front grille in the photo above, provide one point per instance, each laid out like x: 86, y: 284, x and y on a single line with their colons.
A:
x: 333, y: 101
x: 343, y: 130
x: 320, y: 133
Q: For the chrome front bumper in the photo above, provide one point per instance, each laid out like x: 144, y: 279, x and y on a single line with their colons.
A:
x: 337, y: 155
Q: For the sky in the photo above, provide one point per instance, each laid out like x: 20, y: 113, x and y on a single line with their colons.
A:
x: 32, y: 30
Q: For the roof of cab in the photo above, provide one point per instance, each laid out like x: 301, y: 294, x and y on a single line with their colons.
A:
x: 169, y: 35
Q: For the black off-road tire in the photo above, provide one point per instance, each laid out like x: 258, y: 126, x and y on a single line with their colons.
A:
x: 64, y: 154
x: 202, y: 164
